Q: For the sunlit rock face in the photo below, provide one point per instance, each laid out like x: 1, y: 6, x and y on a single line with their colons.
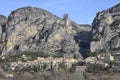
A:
x: 105, y: 34
x: 37, y: 30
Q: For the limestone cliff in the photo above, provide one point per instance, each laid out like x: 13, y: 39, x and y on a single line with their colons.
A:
x: 3, y: 21
x: 31, y: 29
x: 106, y: 30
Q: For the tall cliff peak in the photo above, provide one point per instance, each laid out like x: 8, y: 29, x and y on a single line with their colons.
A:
x: 30, y: 29
x: 106, y: 30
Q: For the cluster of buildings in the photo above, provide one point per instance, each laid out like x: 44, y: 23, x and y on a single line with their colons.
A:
x: 101, y: 60
x: 49, y: 63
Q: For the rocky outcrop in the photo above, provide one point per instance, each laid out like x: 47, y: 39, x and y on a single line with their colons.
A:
x: 105, y: 34
x: 3, y: 21
x: 31, y: 29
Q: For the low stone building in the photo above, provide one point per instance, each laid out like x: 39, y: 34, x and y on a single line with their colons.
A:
x: 80, y: 68
x: 108, y: 58
x: 90, y: 60
x: 102, y: 65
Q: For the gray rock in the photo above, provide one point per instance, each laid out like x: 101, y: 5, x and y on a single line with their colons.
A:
x: 3, y: 21
x: 37, y: 30
x: 105, y: 34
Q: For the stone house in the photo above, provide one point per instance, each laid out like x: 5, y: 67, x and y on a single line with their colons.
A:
x: 90, y: 60
x: 108, y: 58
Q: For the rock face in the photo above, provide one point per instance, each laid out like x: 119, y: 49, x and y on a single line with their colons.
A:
x: 3, y: 21
x: 105, y: 34
x: 36, y: 30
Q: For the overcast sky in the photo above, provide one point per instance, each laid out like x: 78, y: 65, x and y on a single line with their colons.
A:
x: 80, y: 11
